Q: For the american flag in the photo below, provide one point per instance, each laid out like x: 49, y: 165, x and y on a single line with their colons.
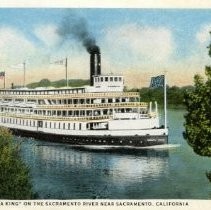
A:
x: 2, y: 75
x: 18, y: 66
x: 157, y: 81
x: 59, y: 62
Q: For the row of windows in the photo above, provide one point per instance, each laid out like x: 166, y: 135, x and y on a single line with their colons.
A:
x: 108, y: 79
x: 74, y: 101
x: 30, y: 123
x: 75, y: 113
x: 59, y: 125
x: 41, y: 124
x: 87, y: 101
x: 63, y: 113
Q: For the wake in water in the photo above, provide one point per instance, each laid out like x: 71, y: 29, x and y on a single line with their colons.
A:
x: 108, y: 147
x: 163, y: 146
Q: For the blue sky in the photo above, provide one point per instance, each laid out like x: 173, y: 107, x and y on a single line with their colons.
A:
x: 138, y: 43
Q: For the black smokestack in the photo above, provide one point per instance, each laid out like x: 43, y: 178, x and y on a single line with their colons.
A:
x: 95, y: 63
x: 76, y: 27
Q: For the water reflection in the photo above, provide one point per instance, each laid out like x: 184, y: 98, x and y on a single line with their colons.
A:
x: 60, y: 171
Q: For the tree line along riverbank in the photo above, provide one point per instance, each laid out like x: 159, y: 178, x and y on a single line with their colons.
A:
x: 175, y: 94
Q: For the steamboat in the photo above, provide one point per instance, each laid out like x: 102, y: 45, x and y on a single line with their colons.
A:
x: 101, y: 114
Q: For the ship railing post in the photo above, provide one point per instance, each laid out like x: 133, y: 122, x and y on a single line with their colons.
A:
x: 150, y: 107
x: 156, y: 108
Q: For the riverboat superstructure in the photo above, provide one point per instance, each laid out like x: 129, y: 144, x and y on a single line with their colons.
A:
x: 99, y: 114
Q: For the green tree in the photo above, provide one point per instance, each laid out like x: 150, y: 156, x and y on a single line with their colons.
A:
x: 198, y: 117
x: 44, y: 83
x: 14, y: 175
x: 175, y: 95
x: 59, y: 83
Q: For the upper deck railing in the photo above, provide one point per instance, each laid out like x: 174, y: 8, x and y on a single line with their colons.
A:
x: 72, y: 95
x: 57, y: 118
x: 41, y: 91
x: 92, y: 106
x: 143, y: 105
x: 69, y: 118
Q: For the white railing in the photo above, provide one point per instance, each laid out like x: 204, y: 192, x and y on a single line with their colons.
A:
x: 59, y: 118
x: 98, y: 105
x: 70, y: 95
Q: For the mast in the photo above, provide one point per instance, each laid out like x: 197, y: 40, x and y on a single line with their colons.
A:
x: 4, y: 80
x: 66, y: 71
x: 165, y: 102
x: 24, y: 73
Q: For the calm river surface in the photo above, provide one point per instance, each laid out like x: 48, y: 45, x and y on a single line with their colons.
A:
x: 61, y: 172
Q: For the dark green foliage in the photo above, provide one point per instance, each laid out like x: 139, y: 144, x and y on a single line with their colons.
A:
x: 198, y: 117
x: 175, y: 95
x: 209, y: 52
x: 45, y: 82
x: 208, y: 174
x: 148, y: 94
x: 59, y: 83
x: 14, y: 175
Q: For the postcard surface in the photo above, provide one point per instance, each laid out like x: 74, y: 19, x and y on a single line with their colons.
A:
x: 94, y: 96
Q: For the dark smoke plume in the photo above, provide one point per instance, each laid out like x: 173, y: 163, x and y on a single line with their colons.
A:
x: 76, y: 27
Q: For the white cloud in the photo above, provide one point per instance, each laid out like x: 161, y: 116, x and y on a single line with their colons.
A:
x: 203, y: 35
x: 203, y: 38
x: 139, y: 51
x: 47, y: 34
x: 145, y: 50
x: 14, y: 45
x: 143, y: 42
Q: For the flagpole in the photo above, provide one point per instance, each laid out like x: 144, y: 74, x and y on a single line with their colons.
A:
x: 165, y: 102
x: 24, y: 73
x: 66, y: 71
x: 4, y: 80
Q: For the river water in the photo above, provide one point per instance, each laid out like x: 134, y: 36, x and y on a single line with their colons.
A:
x: 59, y: 171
